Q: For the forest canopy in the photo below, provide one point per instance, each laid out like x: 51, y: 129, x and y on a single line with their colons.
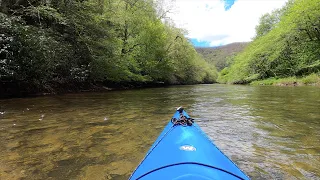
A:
x: 287, y: 44
x: 46, y: 45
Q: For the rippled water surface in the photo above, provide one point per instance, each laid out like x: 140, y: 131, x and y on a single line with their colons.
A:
x: 269, y: 132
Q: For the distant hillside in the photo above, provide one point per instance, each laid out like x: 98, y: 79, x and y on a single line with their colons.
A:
x: 219, y: 55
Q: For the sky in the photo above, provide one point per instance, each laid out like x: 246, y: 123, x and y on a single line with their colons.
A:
x: 211, y: 23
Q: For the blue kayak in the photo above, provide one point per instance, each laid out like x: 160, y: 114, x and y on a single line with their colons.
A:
x: 184, y: 152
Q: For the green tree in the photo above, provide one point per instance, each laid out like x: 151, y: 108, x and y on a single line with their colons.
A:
x: 49, y: 45
x: 291, y: 48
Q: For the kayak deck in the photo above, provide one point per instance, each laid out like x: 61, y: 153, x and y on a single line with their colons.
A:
x: 185, y: 152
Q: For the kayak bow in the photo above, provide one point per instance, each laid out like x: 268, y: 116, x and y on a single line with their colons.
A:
x: 183, y: 151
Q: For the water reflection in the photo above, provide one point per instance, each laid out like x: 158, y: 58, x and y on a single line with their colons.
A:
x: 270, y: 132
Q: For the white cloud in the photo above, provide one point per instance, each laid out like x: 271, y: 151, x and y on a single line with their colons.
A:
x: 207, y: 20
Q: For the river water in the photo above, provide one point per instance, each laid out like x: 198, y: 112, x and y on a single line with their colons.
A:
x: 269, y: 132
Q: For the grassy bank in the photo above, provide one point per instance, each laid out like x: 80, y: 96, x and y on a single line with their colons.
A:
x: 313, y: 79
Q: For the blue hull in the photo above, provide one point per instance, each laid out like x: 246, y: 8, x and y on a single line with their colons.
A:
x: 185, y: 152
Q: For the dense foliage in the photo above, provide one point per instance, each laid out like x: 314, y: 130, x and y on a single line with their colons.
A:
x: 287, y: 44
x: 45, y: 45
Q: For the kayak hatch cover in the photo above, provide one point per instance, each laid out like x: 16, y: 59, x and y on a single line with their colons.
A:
x: 184, y: 152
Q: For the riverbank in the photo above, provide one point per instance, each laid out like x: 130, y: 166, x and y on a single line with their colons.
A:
x: 313, y: 80
x: 22, y: 89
